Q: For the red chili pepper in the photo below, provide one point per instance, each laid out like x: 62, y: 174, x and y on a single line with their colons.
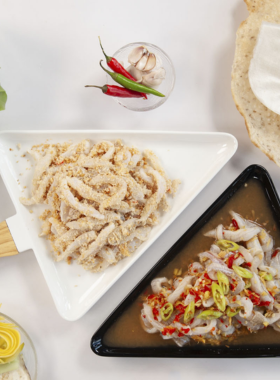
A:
x: 191, y: 321
x: 178, y: 316
x: 264, y: 303
x: 180, y: 334
x: 151, y: 296
x: 254, y: 297
x: 205, y: 289
x: 207, y: 276
x: 275, y: 253
x: 230, y: 261
x: 185, y: 330
x: 235, y: 224
x: 249, y: 264
x: 193, y: 293
x: 155, y: 311
x: 168, y: 330
x: 118, y: 68
x: 119, y: 92
x: 180, y: 307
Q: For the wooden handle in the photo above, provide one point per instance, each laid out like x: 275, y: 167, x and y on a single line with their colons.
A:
x: 7, y: 245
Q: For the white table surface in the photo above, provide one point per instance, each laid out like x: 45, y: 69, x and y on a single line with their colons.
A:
x: 48, y: 51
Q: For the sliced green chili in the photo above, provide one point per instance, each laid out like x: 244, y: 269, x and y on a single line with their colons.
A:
x: 227, y: 245
x: 3, y: 98
x: 223, y: 282
x: 189, y: 312
x: 210, y: 314
x: 166, y: 311
x: 130, y: 84
x: 231, y: 313
x: 247, y: 283
x: 242, y: 272
x: 218, y: 296
x: 268, y: 277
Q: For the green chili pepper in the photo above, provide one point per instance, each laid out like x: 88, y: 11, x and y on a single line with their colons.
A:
x: 210, y: 314
x: 218, y: 296
x: 223, y: 282
x: 3, y: 98
x: 128, y: 83
x: 189, y: 312
x: 242, y: 272
x: 247, y: 283
x: 166, y: 311
x: 231, y: 313
x: 268, y: 277
x: 227, y: 245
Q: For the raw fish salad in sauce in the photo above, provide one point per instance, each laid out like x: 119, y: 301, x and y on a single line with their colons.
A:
x: 233, y: 285
x: 103, y: 199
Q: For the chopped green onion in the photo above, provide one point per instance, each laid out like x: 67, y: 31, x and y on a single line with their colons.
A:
x: 223, y: 282
x: 218, y: 296
x: 166, y: 311
x: 189, y: 312
x: 242, y: 272
x: 210, y: 314
x: 227, y: 245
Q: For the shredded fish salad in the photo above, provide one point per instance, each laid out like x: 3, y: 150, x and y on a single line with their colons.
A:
x: 232, y: 285
x: 102, y: 199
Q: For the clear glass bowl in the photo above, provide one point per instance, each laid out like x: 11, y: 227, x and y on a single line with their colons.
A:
x: 166, y: 87
x: 28, y: 352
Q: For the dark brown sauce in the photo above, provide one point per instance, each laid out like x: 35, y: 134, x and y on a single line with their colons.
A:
x: 249, y: 201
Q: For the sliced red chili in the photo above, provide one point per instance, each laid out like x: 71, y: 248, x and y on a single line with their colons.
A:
x: 185, y: 330
x: 235, y: 224
x: 180, y: 307
x: 264, y: 303
x: 168, y: 330
x: 254, y: 297
x: 155, y: 311
x: 275, y: 253
x: 178, y: 316
x: 193, y: 293
x: 205, y: 289
x: 230, y: 261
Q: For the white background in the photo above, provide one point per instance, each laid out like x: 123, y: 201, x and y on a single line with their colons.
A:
x: 48, y: 51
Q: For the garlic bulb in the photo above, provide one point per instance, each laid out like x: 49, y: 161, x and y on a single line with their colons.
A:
x: 151, y: 63
x: 154, y: 78
x: 142, y: 59
x: 137, y: 74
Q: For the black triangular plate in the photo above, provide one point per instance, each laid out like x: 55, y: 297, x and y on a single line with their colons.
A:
x: 195, y: 351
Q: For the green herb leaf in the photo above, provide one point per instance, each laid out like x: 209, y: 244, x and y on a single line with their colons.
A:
x: 3, y: 98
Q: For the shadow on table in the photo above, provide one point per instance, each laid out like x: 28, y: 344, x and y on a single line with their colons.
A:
x: 226, y: 118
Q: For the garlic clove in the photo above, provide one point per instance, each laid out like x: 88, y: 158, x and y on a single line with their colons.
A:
x: 136, y: 54
x: 142, y: 62
x: 154, y: 78
x: 137, y: 74
x: 151, y: 63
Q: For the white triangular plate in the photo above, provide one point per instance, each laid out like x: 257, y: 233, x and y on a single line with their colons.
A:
x: 194, y: 158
